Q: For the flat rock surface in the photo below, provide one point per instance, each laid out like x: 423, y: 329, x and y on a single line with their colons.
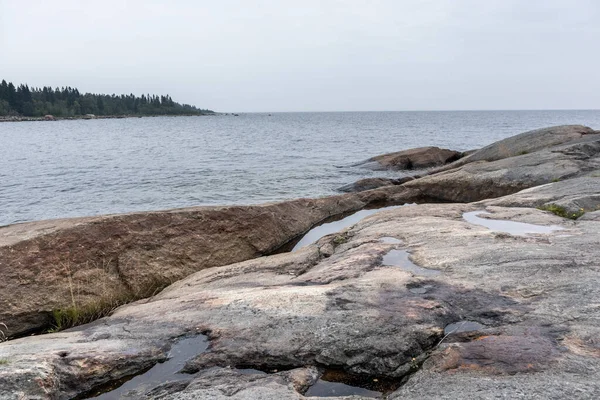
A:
x: 335, y: 305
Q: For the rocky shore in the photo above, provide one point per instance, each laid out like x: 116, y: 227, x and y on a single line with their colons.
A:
x: 485, y: 284
x: 54, y: 118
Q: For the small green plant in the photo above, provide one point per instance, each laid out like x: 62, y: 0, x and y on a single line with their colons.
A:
x: 72, y: 316
x: 3, y: 361
x: 85, y: 311
x: 556, y: 180
x: 340, y: 239
x: 561, y: 211
x: 414, y: 364
x: 523, y: 152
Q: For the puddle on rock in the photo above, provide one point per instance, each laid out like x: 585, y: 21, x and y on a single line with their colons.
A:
x: 420, y: 289
x: 463, y: 326
x: 318, y: 232
x: 250, y: 371
x: 399, y: 258
x: 510, y: 227
x: 160, y: 373
x: 337, y: 383
x: 334, y: 389
x: 390, y: 240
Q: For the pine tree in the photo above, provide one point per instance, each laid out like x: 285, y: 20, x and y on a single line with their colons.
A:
x: 68, y: 101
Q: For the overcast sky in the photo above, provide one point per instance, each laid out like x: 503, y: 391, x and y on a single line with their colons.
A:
x: 313, y: 55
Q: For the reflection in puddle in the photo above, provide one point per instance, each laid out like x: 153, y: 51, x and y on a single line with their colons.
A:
x: 510, y: 227
x: 160, y: 373
x: 338, y: 383
x: 390, y: 240
x: 399, y: 258
x: 332, y: 227
x: 333, y: 389
x: 250, y: 371
x: 463, y: 326
x: 420, y: 289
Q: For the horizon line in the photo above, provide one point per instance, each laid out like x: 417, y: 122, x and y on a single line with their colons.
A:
x: 417, y: 110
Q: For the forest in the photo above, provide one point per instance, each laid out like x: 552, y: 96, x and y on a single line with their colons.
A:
x: 69, y: 102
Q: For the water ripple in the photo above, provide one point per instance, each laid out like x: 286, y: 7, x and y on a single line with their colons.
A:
x: 77, y: 168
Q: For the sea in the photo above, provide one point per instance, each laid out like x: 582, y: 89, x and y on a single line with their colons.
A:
x: 72, y: 168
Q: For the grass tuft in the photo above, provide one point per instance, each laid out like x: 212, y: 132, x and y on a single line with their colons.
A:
x: 561, y: 211
x: 83, y: 311
x: 64, y: 318
x: 340, y: 239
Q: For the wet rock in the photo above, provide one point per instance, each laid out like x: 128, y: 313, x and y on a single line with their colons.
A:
x: 419, y: 158
x: 226, y: 383
x: 515, y: 352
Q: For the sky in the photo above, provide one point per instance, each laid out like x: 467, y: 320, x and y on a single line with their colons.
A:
x: 312, y: 55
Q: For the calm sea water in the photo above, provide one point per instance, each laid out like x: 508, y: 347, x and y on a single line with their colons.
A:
x: 79, y: 168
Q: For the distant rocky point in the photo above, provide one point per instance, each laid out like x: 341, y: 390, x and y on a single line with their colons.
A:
x: 90, y: 116
x: 22, y: 103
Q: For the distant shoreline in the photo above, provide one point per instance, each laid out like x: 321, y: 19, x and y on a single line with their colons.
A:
x: 86, y: 117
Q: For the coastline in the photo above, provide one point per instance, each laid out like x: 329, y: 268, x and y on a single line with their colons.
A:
x: 85, y: 117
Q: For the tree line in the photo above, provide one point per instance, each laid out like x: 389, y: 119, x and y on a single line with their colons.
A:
x: 69, y: 102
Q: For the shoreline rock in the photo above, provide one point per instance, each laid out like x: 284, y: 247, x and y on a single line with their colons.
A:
x: 528, y: 299
x: 412, y: 159
x: 526, y: 160
x: 50, y: 118
x: 375, y: 183
x: 333, y: 304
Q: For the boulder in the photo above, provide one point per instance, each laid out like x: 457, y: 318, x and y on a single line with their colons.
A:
x: 523, y: 143
x: 507, y: 166
x: 88, y: 266
x: 483, y: 179
x: 419, y: 158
